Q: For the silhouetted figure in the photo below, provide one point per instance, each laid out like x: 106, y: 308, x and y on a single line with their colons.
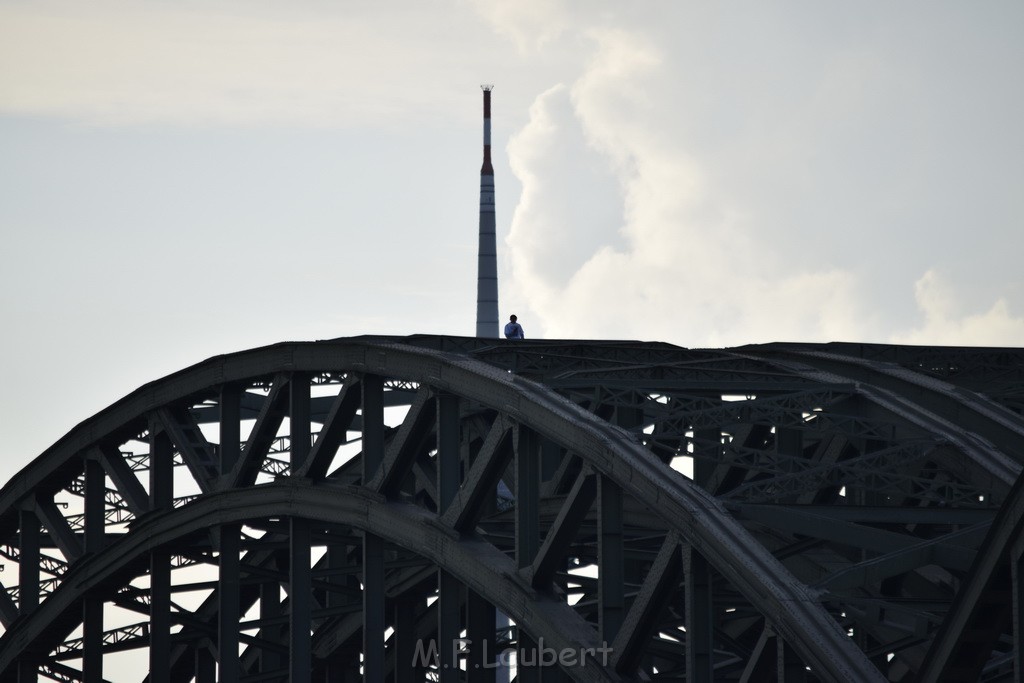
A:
x: 513, y: 330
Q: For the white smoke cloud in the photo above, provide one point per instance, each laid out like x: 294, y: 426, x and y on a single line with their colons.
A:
x: 688, y: 266
x: 946, y: 321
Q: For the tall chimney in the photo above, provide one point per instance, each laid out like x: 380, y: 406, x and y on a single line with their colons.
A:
x: 487, y: 256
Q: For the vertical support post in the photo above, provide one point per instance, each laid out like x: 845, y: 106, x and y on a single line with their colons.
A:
x: 700, y: 618
x: 1017, y: 574
x: 373, y: 546
x: 631, y: 417
x: 448, y: 587
x: 791, y: 668
x: 205, y: 666
x: 230, y: 426
x: 707, y: 447
x: 270, y: 612
x: 161, y: 469
x: 95, y: 509
x: 550, y: 459
x: 610, y: 558
x: 527, y: 472
x: 407, y: 666
x: 789, y: 442
x: 95, y: 493
x: 448, y: 625
x: 448, y: 443
x: 92, y: 606
x: 373, y: 425
x: 229, y: 613
x: 28, y: 670
x: 865, y: 495
x: 28, y: 582
x: 92, y: 630
x: 161, y: 497
x: 298, y: 419
x: 159, y: 616
x: 707, y: 453
x: 480, y: 629
x: 527, y: 654
x: 340, y: 667
x: 611, y: 553
x: 300, y: 613
x: 373, y: 607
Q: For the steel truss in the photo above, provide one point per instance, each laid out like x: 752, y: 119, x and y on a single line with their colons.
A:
x: 368, y: 508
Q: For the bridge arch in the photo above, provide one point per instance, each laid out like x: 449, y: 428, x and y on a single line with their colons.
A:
x: 498, y: 484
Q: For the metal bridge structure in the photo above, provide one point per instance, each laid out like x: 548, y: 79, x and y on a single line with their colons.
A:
x: 406, y: 508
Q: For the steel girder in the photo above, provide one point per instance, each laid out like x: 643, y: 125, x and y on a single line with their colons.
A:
x: 836, y: 512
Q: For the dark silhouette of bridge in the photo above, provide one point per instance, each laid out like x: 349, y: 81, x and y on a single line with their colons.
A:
x: 331, y: 511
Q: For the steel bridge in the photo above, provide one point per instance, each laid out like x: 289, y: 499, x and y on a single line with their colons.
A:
x: 383, y: 508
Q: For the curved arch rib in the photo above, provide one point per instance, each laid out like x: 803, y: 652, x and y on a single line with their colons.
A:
x: 479, y: 565
x: 701, y: 520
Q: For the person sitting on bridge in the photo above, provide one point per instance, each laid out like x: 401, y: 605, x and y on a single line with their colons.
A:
x: 513, y: 330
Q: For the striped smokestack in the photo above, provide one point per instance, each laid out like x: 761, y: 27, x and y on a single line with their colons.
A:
x: 487, y: 257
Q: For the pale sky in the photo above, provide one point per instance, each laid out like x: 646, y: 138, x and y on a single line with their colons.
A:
x: 184, y: 179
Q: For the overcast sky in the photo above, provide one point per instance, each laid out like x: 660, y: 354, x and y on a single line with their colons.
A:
x: 183, y: 179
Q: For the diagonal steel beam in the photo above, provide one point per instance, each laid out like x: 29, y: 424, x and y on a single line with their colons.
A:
x: 127, y: 484
x: 61, y: 533
x: 761, y: 665
x: 794, y: 521
x: 332, y: 434
x: 659, y: 584
x: 8, y: 609
x: 188, y: 439
x: 275, y: 406
x: 464, y: 511
x: 402, y: 451
x: 334, y: 633
x: 952, y: 656
x: 559, y: 537
x: 939, y: 551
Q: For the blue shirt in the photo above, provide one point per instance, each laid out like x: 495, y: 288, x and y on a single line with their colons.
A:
x: 514, y: 331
